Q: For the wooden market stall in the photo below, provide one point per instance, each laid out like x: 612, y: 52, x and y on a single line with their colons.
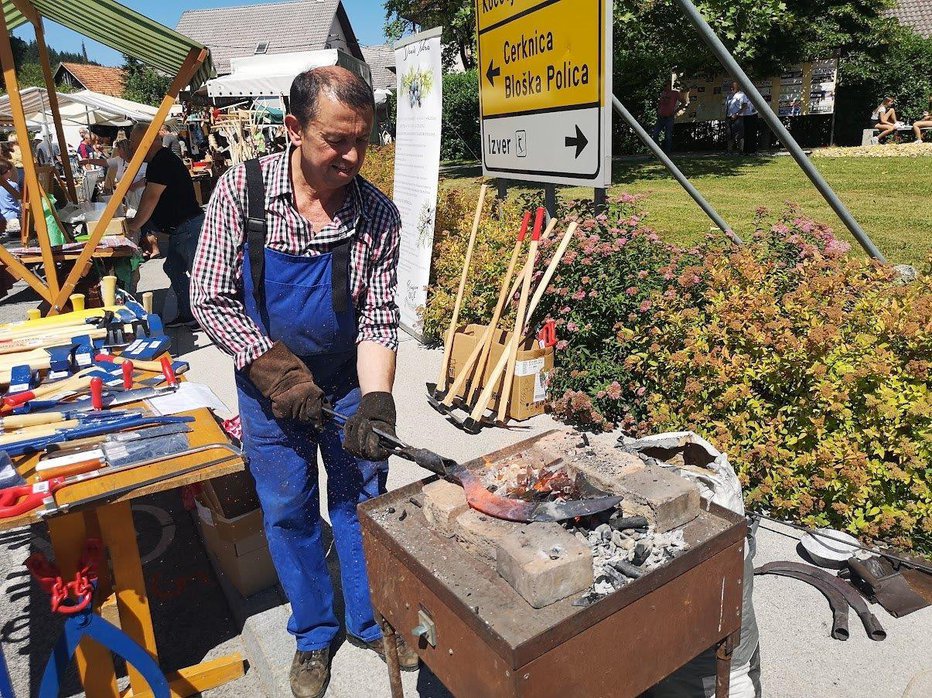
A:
x: 123, y: 30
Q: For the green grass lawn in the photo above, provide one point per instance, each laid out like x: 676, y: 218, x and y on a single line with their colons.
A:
x: 890, y: 197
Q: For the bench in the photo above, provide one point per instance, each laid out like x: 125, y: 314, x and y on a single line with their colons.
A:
x: 869, y: 135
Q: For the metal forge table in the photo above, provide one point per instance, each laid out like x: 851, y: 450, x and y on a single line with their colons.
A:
x: 482, y: 639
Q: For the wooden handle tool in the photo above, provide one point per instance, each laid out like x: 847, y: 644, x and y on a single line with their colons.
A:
x: 448, y: 340
x: 486, y: 396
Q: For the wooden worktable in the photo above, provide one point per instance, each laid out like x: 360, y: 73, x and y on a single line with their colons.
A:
x: 112, y: 522
x: 71, y: 256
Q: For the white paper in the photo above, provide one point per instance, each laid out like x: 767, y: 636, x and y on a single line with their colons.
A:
x: 189, y: 396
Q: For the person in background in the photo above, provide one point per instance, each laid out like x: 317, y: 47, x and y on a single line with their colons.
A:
x: 47, y: 151
x: 736, y: 106
x: 169, y: 202
x: 10, y: 197
x: 884, y: 118
x: 86, y: 149
x: 668, y: 105
x: 303, y: 297
x: 16, y: 157
x: 751, y: 128
x: 116, y: 166
x: 924, y: 122
x: 170, y: 140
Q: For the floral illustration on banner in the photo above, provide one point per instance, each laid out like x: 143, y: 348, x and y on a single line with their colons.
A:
x: 416, y: 84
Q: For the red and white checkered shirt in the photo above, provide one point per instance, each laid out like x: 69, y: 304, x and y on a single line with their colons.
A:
x: 217, y: 273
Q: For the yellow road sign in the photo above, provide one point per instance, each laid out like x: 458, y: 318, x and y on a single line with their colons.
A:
x: 544, y: 89
x: 541, y: 58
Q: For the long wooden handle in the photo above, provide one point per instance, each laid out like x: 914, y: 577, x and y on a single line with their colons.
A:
x: 79, y: 468
x: 448, y: 340
x: 519, y: 316
x: 36, y: 432
x: 19, y: 421
x: 486, y: 396
x: 153, y: 366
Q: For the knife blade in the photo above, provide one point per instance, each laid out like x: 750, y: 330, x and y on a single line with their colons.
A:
x: 117, y: 437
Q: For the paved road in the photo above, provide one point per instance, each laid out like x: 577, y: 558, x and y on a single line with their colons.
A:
x: 194, y: 621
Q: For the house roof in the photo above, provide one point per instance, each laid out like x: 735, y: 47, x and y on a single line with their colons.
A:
x: 381, y: 59
x: 916, y: 14
x: 118, y: 27
x: 97, y: 78
x: 233, y: 32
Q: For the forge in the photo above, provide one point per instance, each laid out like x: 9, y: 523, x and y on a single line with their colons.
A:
x: 601, y: 605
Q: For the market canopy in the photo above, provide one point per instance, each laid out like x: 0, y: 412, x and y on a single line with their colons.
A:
x: 120, y: 28
x: 84, y: 107
x: 271, y: 75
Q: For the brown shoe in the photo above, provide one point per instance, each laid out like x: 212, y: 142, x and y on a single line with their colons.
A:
x: 310, y: 673
x: 407, y: 657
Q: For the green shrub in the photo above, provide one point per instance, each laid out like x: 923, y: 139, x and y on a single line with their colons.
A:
x: 460, y: 139
x: 379, y: 167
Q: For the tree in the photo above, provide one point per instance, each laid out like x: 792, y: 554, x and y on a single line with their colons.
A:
x: 457, y: 18
x: 143, y: 84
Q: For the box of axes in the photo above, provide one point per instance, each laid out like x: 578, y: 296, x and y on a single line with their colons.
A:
x: 532, y: 369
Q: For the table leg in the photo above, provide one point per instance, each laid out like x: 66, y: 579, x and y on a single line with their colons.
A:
x: 723, y: 664
x: 119, y: 535
x: 391, y: 656
x: 94, y: 662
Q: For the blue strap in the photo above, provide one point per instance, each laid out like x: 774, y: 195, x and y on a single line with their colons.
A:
x: 109, y: 636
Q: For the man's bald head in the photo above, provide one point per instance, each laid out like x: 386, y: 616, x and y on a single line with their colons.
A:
x: 329, y: 82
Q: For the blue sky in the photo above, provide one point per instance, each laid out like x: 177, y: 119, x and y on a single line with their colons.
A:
x: 366, y: 16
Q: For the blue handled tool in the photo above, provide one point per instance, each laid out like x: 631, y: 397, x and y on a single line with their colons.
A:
x: 97, y: 428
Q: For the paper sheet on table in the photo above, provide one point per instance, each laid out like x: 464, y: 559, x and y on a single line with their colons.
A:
x: 189, y: 396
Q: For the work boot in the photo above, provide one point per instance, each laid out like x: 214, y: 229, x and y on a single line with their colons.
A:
x: 310, y: 673
x: 407, y: 657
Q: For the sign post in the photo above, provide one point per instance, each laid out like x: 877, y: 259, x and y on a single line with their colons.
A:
x: 545, y: 81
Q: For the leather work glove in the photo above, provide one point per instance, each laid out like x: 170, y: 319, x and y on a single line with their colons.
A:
x: 289, y: 384
x: 376, y: 410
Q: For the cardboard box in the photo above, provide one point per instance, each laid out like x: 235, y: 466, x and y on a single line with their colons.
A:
x: 237, y: 546
x: 116, y: 226
x: 529, y: 391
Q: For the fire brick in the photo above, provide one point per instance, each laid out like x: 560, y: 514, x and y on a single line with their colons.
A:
x: 480, y: 533
x: 662, y: 496
x: 443, y: 502
x: 544, y: 563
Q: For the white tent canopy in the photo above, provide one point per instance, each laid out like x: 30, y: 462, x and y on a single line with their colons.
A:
x: 270, y: 75
x: 86, y: 108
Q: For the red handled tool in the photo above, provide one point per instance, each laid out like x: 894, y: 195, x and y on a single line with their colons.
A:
x: 97, y: 393
x: 128, y: 375
x: 168, y: 371
x: 547, y: 336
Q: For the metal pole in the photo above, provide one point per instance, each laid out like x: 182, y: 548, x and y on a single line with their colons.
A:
x: 550, y: 200
x: 767, y: 114
x: 674, y: 170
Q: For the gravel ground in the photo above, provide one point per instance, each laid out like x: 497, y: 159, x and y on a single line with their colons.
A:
x: 194, y: 622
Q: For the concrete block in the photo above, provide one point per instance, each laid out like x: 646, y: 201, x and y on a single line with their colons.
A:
x: 480, y: 533
x: 663, y: 497
x: 544, y: 563
x: 443, y: 502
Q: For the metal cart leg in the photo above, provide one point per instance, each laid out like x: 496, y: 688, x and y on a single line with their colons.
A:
x: 391, y: 656
x: 723, y: 664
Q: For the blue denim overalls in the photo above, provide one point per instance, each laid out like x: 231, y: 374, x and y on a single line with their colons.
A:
x: 305, y: 303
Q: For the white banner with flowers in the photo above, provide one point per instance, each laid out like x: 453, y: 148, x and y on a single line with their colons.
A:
x: 417, y: 167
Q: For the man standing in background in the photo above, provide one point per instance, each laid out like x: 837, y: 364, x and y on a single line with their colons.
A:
x: 736, y: 106
x: 169, y: 202
x: 170, y: 140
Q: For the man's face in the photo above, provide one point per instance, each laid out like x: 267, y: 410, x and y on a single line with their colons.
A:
x: 333, y: 144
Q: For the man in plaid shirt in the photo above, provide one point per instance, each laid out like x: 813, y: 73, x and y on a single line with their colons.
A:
x: 295, y: 277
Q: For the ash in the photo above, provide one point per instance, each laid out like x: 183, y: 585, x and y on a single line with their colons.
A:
x: 624, y: 548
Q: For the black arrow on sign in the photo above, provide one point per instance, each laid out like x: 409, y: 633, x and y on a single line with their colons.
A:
x: 492, y: 72
x: 579, y: 140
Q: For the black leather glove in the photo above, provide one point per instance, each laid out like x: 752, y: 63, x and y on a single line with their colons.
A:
x: 289, y: 384
x: 376, y: 410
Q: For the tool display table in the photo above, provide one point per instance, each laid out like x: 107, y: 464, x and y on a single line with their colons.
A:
x: 112, y: 522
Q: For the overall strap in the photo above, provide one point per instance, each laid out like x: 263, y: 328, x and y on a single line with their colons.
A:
x: 339, y: 275
x: 256, y: 226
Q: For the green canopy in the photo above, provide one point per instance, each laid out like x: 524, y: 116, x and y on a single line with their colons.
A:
x: 120, y: 28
